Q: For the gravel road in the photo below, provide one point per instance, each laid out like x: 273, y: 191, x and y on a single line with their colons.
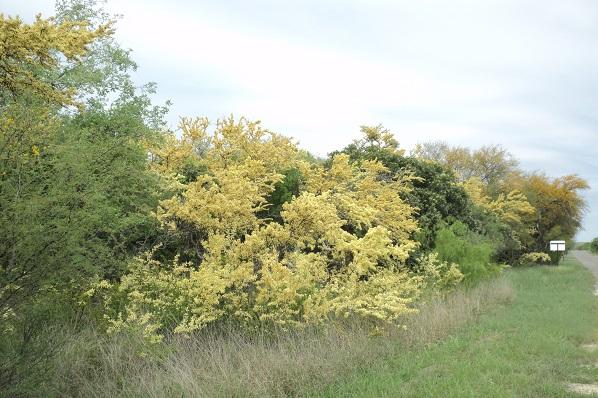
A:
x: 590, y: 261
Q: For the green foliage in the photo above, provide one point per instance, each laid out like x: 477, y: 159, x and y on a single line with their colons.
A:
x: 76, y: 192
x: 473, y: 253
x: 435, y: 192
x: 594, y: 246
x: 284, y: 192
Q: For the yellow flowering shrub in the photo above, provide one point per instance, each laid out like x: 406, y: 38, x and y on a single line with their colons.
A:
x: 510, y: 208
x: 155, y: 296
x: 384, y: 296
x: 338, y: 250
x: 225, y: 202
x: 535, y: 258
x: 284, y: 287
x: 438, y: 275
x: 365, y: 196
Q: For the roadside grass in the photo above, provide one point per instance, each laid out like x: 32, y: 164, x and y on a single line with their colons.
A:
x: 532, y: 348
x: 229, y: 363
x: 520, y: 334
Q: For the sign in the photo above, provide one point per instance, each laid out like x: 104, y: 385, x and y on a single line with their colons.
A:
x: 557, y: 245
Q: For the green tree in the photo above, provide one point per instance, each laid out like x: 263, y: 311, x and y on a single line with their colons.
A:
x: 76, y: 192
x: 435, y: 193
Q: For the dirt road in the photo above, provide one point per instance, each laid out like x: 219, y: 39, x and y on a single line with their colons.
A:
x: 591, y: 262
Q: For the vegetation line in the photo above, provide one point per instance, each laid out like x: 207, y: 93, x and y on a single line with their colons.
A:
x: 222, y: 258
x: 228, y: 362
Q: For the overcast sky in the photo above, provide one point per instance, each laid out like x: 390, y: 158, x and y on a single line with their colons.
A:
x: 520, y: 73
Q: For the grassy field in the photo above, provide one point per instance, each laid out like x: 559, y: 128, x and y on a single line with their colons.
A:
x: 518, y: 335
x: 531, y: 348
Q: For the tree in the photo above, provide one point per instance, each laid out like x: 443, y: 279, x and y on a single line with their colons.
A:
x: 492, y: 164
x: 29, y: 51
x: 76, y: 192
x: 503, y: 212
x: 436, y: 194
x: 559, y: 207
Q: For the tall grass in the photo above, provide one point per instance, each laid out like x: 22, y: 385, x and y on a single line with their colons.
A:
x: 229, y: 363
x: 534, y: 348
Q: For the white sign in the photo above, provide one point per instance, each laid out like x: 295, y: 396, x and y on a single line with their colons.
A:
x: 557, y: 245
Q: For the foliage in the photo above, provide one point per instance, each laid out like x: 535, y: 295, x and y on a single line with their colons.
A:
x: 594, y: 246
x: 76, y: 192
x: 505, y: 219
x: 284, y: 191
x: 472, y: 252
x: 103, y: 211
x: 337, y: 250
x: 438, y: 275
x: 28, y: 51
x: 511, y: 208
x: 492, y: 164
x: 559, y: 207
x: 436, y: 194
x: 535, y: 258
x: 533, y: 208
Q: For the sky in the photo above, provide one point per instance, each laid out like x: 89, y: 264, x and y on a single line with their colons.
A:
x: 519, y: 73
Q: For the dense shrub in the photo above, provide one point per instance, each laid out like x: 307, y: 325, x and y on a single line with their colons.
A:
x: 472, y: 252
x: 436, y: 192
x: 535, y: 258
x: 336, y: 249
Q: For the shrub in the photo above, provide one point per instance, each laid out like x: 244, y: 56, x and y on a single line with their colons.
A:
x: 535, y: 258
x: 338, y: 249
x: 594, y: 245
x: 457, y: 244
x: 438, y: 275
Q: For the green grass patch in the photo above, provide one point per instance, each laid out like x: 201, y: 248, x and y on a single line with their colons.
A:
x: 531, y: 348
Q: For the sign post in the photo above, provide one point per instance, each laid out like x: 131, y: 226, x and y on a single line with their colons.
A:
x: 558, y: 246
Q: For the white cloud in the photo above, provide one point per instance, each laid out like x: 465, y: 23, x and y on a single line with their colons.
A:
x: 518, y: 73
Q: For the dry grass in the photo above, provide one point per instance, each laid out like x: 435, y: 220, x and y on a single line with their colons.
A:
x: 231, y: 364
x: 442, y: 315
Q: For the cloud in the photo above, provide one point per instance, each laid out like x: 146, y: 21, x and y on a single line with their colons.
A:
x: 520, y: 73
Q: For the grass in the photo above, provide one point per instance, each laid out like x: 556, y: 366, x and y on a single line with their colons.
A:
x: 531, y: 348
x: 231, y: 364
x: 516, y: 335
